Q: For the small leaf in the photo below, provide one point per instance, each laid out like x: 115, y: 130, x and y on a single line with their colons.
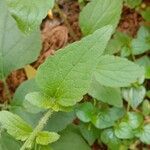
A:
x: 108, y: 137
x: 133, y: 119
x: 144, y: 134
x: 90, y: 134
x: 29, y: 14
x: 15, y: 126
x: 100, y: 13
x: 66, y: 76
x: 117, y: 72
x: 45, y: 137
x: 107, y: 117
x: 146, y: 107
x: 134, y: 95
x: 30, y: 71
x: 120, y: 42
x: 142, y: 43
x: 105, y: 94
x: 146, y: 13
x: 133, y: 3
x: 145, y: 61
x: 85, y: 112
x: 42, y: 101
x: 21, y: 50
x: 124, y: 131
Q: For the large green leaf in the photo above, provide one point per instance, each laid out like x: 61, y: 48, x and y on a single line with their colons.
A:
x: 105, y: 94
x: 117, y: 72
x: 15, y: 126
x: 99, y: 13
x: 66, y: 76
x: 16, y: 49
x: 142, y: 43
x: 29, y: 13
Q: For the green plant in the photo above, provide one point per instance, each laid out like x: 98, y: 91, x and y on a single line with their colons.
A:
x: 42, y: 108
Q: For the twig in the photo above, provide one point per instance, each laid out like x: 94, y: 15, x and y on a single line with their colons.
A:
x: 63, y: 16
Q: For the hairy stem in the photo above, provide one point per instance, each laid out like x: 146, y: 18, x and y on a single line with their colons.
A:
x: 37, y: 129
x: 63, y: 16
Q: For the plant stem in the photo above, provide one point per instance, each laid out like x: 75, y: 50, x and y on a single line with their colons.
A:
x: 63, y: 16
x: 6, y: 89
x: 37, y: 129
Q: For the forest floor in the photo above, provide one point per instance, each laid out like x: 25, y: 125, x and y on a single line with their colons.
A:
x: 63, y: 28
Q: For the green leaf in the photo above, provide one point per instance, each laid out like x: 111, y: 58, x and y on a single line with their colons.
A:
x: 16, y: 49
x: 8, y: 143
x: 90, y: 133
x: 15, y: 126
x: 124, y: 131
x: 99, y: 13
x: 45, y: 137
x: 146, y: 107
x: 108, y: 137
x: 133, y: 119
x: 144, y: 134
x: 146, y: 13
x: 105, y: 94
x: 85, y: 111
x: 59, y: 121
x: 134, y: 95
x: 145, y: 61
x: 26, y: 110
x: 28, y: 114
x: 142, y: 43
x: 133, y: 3
x: 25, y: 88
x: 66, y: 76
x: 42, y: 101
x: 117, y: 72
x: 29, y: 14
x: 70, y: 140
x: 107, y: 117
x: 120, y: 42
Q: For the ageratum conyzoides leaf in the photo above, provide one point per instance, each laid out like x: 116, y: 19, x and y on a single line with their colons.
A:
x: 66, y: 76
